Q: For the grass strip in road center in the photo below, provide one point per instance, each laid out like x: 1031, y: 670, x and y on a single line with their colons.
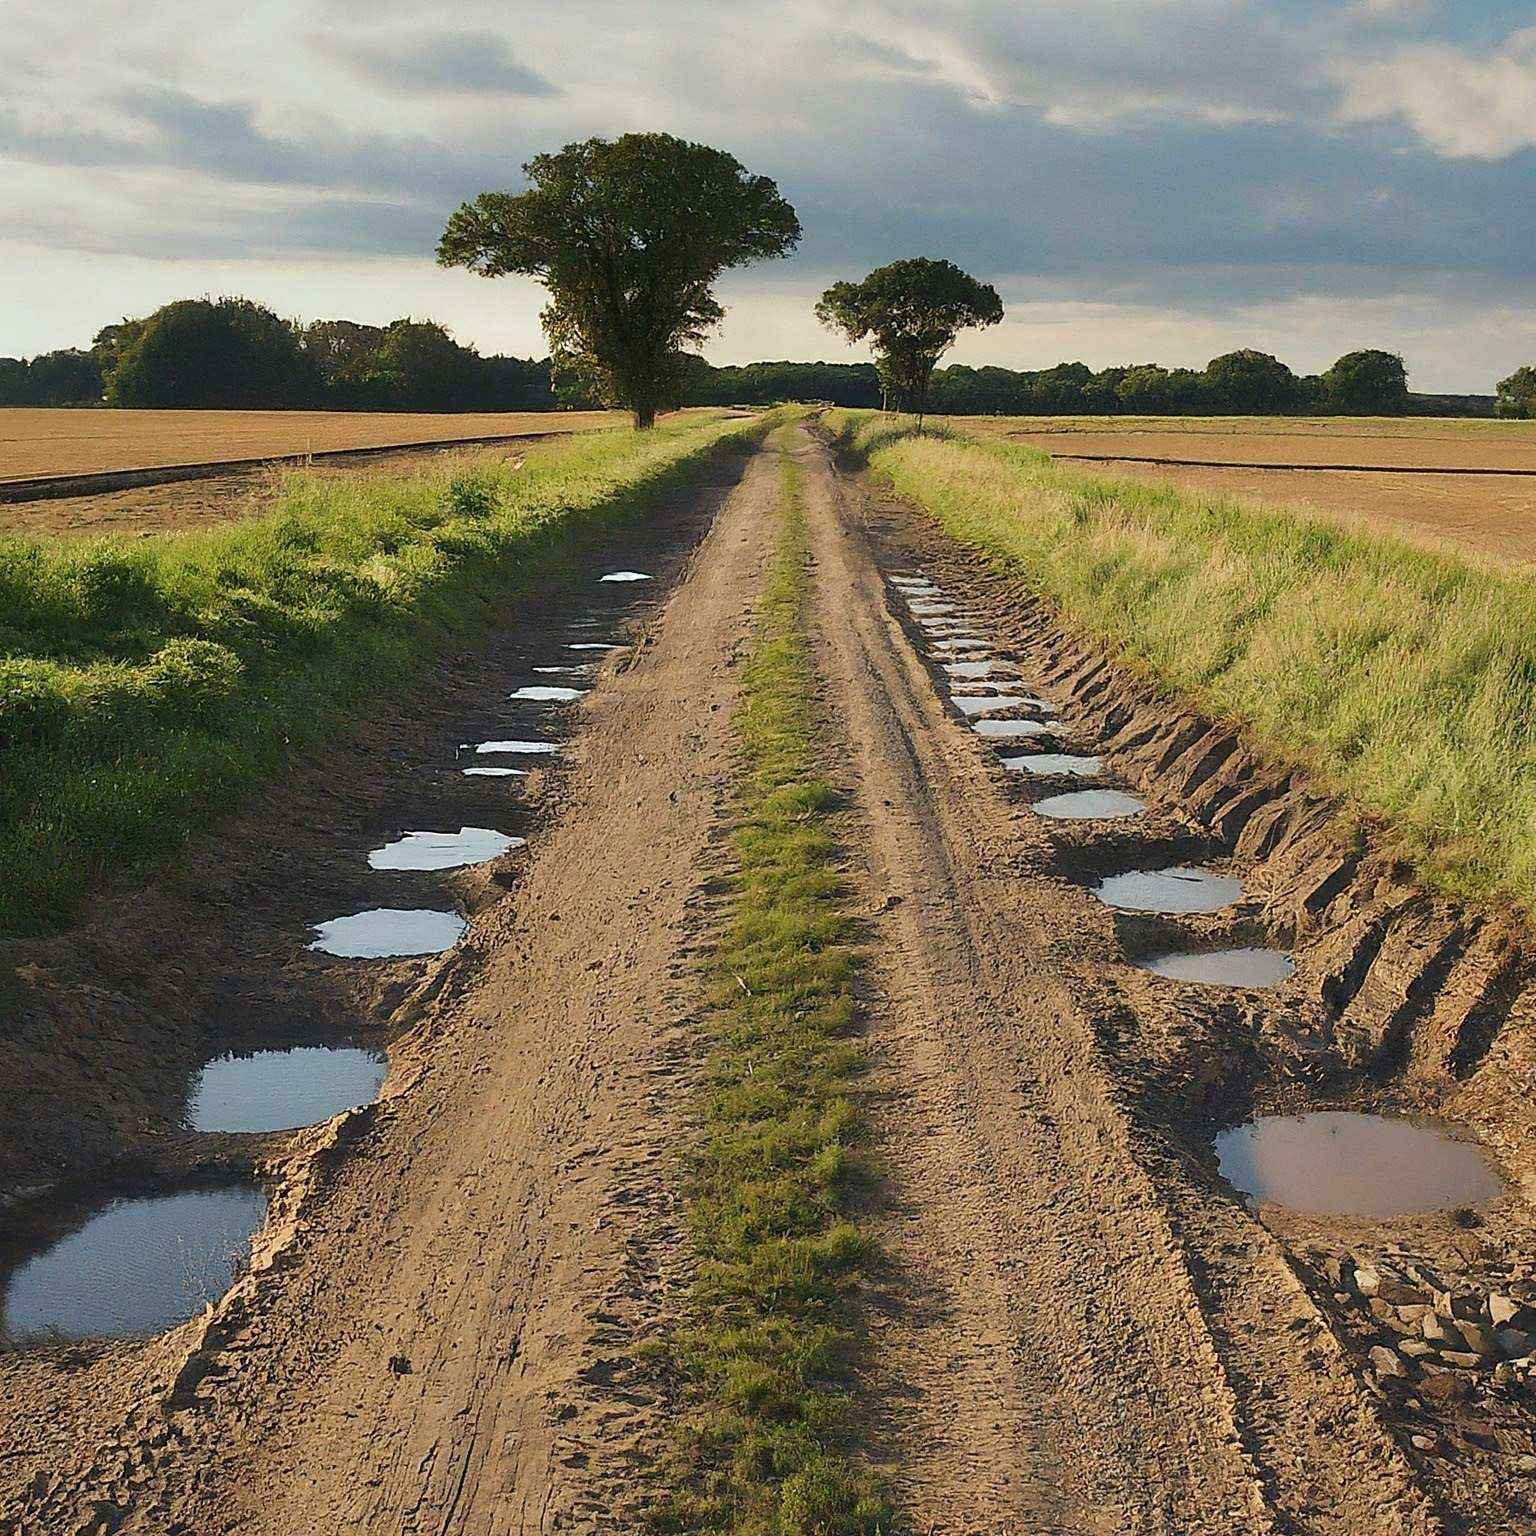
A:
x: 766, y: 1358
x: 1404, y: 680
x: 146, y: 686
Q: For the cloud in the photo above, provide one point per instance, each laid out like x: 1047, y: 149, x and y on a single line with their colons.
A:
x: 1466, y: 106
x: 415, y: 61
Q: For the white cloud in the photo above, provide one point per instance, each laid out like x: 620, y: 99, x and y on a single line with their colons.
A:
x: 1466, y: 106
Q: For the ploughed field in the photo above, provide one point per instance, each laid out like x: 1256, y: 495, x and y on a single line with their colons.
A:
x: 1407, y: 477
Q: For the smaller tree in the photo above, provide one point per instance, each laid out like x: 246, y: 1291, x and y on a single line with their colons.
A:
x: 911, y: 311
x: 1517, y: 395
x: 1367, y: 383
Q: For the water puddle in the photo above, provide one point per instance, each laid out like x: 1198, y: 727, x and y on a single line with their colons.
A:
x: 486, y: 771
x: 626, y: 576
x: 931, y: 610
x: 1169, y: 890
x: 580, y: 668
x: 1090, y: 805
x: 1053, y: 764
x: 595, y: 645
x: 1225, y: 967
x: 547, y: 693
x: 1338, y: 1163
x: 138, y: 1267
x: 532, y: 747
x: 986, y: 703
x: 442, y: 850
x: 282, y: 1090
x: 959, y: 644
x: 978, y: 670
x: 907, y: 582
x: 1002, y: 729
x: 389, y: 933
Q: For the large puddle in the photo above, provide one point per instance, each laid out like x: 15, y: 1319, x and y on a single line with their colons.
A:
x: 1090, y: 805
x: 1226, y: 967
x: 977, y: 671
x: 442, y: 850
x: 1338, y: 1163
x: 1169, y: 890
x: 489, y: 771
x: 1053, y: 764
x: 282, y: 1090
x: 138, y: 1267
x: 1015, y: 730
x: 547, y: 693
x: 531, y: 747
x: 389, y: 933
x: 987, y: 703
x: 620, y: 576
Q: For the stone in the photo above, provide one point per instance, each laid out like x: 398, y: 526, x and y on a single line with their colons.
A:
x: 1514, y: 1343
x: 1396, y: 1293
x: 1459, y: 1305
x: 1416, y: 1349
x: 1462, y: 1359
x: 1438, y: 1330
x: 1525, y: 1463
x: 1366, y: 1279
x: 1423, y: 1442
x: 1502, y: 1309
x: 1386, y: 1363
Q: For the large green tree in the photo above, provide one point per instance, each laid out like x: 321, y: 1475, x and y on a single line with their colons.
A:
x: 1517, y: 394
x: 628, y: 236
x: 1251, y: 383
x: 910, y: 311
x: 1367, y: 383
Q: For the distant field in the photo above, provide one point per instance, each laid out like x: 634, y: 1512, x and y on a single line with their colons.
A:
x: 52, y: 442
x: 1493, y: 515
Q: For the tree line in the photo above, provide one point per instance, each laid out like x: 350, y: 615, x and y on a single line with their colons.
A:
x: 234, y: 354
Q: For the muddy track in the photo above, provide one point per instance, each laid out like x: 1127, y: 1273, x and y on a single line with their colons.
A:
x: 1081, y: 1328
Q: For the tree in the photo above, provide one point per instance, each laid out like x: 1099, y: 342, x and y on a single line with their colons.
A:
x: 196, y: 354
x: 628, y: 236
x: 1251, y: 383
x: 1517, y: 394
x: 911, y: 311
x: 1368, y: 383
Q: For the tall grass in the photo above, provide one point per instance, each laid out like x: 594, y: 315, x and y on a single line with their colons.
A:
x: 145, y: 686
x: 1404, y: 680
x: 767, y: 1356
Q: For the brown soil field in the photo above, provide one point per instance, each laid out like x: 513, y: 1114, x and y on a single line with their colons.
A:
x: 1489, y: 515
x: 1080, y: 1326
x: 35, y: 442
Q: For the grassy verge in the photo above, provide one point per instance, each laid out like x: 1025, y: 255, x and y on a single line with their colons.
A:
x: 765, y: 1361
x: 145, y: 686
x: 1404, y: 680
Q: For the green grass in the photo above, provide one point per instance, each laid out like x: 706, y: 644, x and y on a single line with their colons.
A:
x: 766, y: 1359
x: 1403, y: 680
x: 147, y: 686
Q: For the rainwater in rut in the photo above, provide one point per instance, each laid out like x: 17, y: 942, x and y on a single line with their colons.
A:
x: 137, y: 1267
x: 442, y: 850
x: 1339, y: 1163
x: 1225, y: 967
x: 1169, y: 890
x: 1090, y: 805
x: 389, y: 933
x: 282, y: 1090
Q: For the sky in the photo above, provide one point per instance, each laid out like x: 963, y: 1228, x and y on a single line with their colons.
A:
x: 1141, y: 180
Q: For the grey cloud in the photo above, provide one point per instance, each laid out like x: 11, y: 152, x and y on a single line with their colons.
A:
x: 418, y: 62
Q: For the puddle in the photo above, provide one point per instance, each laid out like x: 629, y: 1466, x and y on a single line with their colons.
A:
x: 978, y: 669
x: 138, y: 1267
x: 960, y: 645
x: 926, y: 610
x: 986, y: 703
x: 1090, y: 805
x: 488, y: 772
x: 1337, y: 1163
x: 389, y: 933
x: 913, y: 582
x: 547, y: 693
x: 1051, y: 763
x: 515, y: 746
x: 1225, y: 967
x: 282, y: 1090
x: 1006, y: 728
x: 1169, y: 890
x: 576, y: 670
x: 625, y: 576
x: 595, y: 645
x: 442, y: 850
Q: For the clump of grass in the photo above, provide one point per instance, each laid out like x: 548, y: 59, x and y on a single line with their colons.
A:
x: 146, y: 686
x: 1404, y: 679
x: 766, y: 1359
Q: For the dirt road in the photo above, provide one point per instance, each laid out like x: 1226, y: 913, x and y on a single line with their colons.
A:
x: 1080, y: 1330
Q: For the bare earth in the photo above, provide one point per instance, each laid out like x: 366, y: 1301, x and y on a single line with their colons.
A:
x: 37, y: 442
x: 1080, y: 1331
x: 1492, y: 517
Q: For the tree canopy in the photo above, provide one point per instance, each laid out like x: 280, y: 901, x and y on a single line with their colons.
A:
x: 911, y: 311
x: 1517, y: 394
x: 1368, y: 383
x: 628, y: 236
